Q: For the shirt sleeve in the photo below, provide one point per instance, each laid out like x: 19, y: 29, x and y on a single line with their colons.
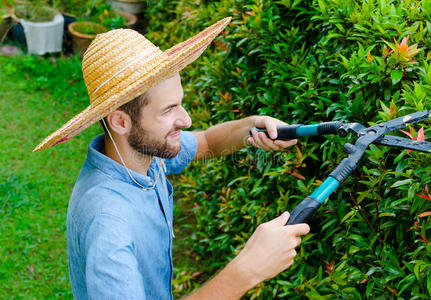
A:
x: 111, y: 265
x: 189, y: 146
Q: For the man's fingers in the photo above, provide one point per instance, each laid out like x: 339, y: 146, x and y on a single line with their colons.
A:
x: 285, y: 144
x: 298, y: 229
x: 267, y: 142
x: 251, y: 141
x: 271, y: 128
x: 260, y: 140
x: 256, y: 139
x: 282, y: 219
x: 292, y: 253
x: 292, y: 242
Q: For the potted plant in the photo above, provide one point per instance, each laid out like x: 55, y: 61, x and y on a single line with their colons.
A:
x: 6, y: 21
x: 117, y: 19
x: 71, y: 11
x: 83, y: 32
x: 131, y: 6
x: 43, y: 27
x: 73, y: 8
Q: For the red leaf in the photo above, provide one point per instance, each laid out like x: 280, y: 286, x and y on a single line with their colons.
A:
x: 424, y: 239
x: 329, y: 210
x: 423, y: 196
x: 421, y: 135
x: 426, y: 188
x: 329, y: 267
x: 425, y: 214
x: 408, y: 133
x: 299, y: 153
x: 297, y: 175
x: 196, y: 274
x: 415, y: 226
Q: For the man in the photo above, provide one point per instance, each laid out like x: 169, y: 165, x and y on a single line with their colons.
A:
x: 119, y: 224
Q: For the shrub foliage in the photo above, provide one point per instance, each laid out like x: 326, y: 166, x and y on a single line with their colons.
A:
x: 305, y: 61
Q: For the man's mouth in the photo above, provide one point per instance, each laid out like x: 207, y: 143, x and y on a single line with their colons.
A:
x: 174, y: 134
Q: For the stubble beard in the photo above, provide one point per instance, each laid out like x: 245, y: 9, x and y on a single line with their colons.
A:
x: 141, y: 142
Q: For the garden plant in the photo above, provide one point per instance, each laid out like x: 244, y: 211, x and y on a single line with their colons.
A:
x: 301, y: 61
x: 309, y: 62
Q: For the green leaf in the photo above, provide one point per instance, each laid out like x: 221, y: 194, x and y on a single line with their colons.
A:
x: 387, y: 214
x: 328, y: 224
x: 370, y: 287
x: 405, y: 283
x: 348, y: 215
x: 417, y: 268
x: 362, y: 196
x: 341, y: 266
x: 382, y: 31
x: 419, y: 91
x: 429, y: 283
x: 385, y: 108
x: 401, y: 182
x: 396, y: 76
x: 401, y: 155
x: 340, y: 27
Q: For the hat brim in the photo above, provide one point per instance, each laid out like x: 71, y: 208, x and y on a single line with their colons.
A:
x: 178, y: 57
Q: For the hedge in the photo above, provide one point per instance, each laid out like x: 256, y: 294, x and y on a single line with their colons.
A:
x: 306, y: 62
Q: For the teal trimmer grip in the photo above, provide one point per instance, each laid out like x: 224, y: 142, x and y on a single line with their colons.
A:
x: 289, y: 132
x: 312, y: 203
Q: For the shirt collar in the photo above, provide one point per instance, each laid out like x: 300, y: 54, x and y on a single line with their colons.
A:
x: 116, y: 170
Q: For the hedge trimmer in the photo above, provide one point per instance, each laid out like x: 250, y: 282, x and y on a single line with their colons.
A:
x: 366, y: 136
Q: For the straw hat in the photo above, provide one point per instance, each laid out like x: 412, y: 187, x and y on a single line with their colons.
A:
x: 121, y: 64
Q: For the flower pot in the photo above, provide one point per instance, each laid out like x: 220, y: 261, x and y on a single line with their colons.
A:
x: 106, y: 18
x: 67, y: 37
x: 131, y: 6
x: 6, y: 24
x: 18, y: 34
x: 83, y: 33
x: 43, y: 28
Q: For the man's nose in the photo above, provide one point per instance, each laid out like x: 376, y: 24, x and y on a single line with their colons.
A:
x: 183, y: 120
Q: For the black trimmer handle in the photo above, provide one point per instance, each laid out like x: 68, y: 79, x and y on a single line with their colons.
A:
x: 304, y: 209
x: 289, y: 132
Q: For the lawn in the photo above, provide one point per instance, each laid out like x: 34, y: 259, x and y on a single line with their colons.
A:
x: 37, y: 96
x: 35, y: 187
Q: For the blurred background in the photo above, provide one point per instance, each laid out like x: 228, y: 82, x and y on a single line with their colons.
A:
x: 302, y: 61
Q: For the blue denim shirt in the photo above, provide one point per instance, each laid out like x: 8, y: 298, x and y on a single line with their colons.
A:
x: 119, y: 236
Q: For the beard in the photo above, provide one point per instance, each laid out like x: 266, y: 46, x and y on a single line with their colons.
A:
x: 141, y: 141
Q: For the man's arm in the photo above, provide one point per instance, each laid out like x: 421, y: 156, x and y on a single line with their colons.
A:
x: 270, y: 250
x: 111, y: 268
x: 228, y: 137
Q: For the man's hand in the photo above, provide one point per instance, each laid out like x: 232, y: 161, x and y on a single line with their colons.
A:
x: 271, y: 248
x: 260, y: 140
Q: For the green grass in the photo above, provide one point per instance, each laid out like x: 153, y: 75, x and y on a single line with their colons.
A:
x: 35, y: 187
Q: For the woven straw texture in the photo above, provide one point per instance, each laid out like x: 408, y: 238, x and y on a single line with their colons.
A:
x: 121, y: 64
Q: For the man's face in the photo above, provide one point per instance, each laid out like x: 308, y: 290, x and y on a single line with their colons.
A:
x: 157, y: 132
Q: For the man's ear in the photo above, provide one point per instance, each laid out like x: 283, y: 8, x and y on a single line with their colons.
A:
x: 119, y: 122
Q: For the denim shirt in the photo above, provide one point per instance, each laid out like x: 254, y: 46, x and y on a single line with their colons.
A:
x: 119, y: 236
